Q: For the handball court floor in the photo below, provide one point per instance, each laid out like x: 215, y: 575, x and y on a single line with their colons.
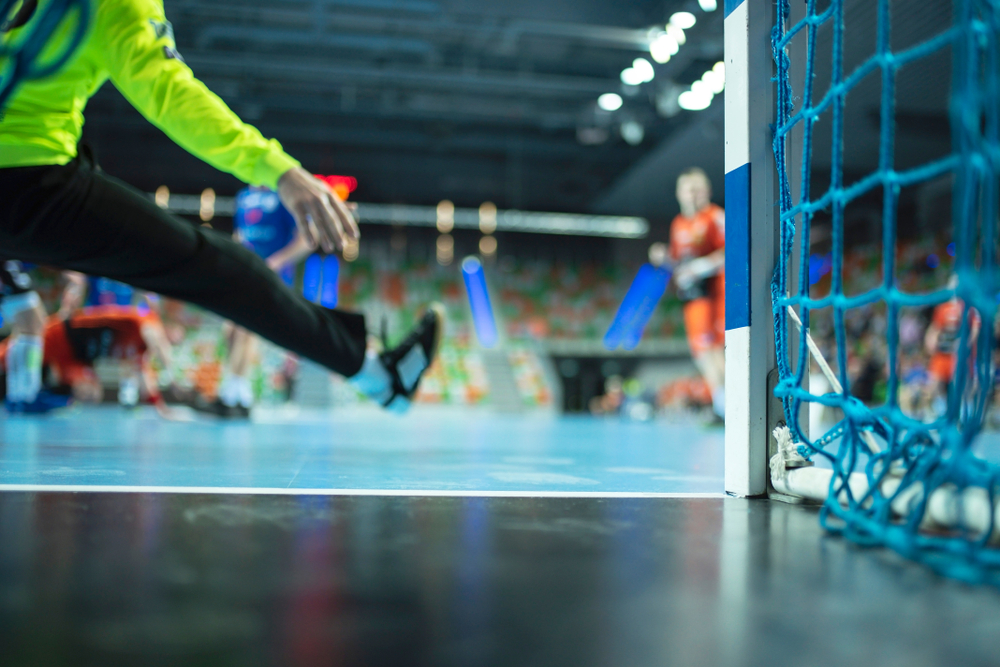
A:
x: 442, y: 538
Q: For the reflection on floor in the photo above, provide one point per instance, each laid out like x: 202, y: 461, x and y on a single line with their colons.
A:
x: 462, y: 451
x: 149, y: 579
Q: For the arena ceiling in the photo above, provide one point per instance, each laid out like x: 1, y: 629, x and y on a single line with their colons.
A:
x: 426, y: 99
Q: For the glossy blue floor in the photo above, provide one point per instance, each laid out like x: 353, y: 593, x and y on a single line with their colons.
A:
x: 299, y: 540
x: 430, y: 450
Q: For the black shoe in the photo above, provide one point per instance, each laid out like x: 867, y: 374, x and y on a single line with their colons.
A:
x: 219, y: 409
x: 236, y: 412
x: 44, y: 403
x: 408, y: 361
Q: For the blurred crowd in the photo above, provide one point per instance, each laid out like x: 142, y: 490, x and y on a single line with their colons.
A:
x: 539, y: 300
x: 929, y: 339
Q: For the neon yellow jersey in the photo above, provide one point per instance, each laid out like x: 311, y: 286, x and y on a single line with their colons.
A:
x: 131, y: 43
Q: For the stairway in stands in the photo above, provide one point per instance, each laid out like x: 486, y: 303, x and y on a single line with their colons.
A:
x: 504, y: 395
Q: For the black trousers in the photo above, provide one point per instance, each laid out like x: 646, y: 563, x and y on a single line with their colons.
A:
x: 75, y: 217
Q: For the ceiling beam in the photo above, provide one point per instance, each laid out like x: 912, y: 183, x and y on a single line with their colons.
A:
x: 395, y: 139
x: 503, y: 33
x: 254, y: 67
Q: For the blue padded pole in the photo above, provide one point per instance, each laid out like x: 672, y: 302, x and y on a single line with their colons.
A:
x: 637, y: 307
x: 312, y: 278
x: 479, y: 302
x: 331, y: 282
x: 651, y: 293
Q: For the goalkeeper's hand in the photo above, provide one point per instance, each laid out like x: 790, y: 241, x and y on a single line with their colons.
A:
x: 323, y: 218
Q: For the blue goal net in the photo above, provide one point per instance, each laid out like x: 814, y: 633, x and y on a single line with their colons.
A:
x: 907, y: 478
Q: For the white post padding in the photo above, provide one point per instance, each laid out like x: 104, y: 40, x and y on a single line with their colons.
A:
x: 737, y: 88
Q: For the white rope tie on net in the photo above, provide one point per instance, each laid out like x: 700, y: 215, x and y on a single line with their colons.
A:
x: 787, y: 456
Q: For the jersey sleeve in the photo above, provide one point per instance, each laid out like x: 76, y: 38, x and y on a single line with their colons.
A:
x: 144, y: 65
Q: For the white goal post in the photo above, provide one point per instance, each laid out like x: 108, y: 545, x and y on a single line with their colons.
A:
x: 751, y: 242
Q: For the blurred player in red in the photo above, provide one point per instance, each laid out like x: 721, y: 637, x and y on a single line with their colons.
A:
x: 132, y: 335
x: 698, y: 253
x: 942, y: 341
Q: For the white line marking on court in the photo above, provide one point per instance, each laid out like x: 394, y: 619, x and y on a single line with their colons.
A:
x: 216, y: 490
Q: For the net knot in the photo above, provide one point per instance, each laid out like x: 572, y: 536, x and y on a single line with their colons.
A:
x: 788, y: 455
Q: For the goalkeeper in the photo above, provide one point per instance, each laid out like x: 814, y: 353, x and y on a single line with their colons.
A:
x: 58, y: 209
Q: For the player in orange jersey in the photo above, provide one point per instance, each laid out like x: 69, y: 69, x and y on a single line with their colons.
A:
x: 127, y: 333
x: 942, y: 342
x: 698, y: 252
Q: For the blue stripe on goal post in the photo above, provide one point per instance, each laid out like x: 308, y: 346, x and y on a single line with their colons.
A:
x: 738, y: 248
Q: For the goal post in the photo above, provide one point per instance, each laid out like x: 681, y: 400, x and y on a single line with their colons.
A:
x: 752, y: 239
x: 751, y: 242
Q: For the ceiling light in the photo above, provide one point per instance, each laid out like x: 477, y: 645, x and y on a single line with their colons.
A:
x: 446, y: 243
x: 701, y: 88
x: 445, y: 249
x: 610, y: 101
x: 207, y: 211
x: 663, y: 47
x: 632, y: 132
x: 708, y: 5
x: 445, y: 216
x: 693, y: 101
x: 644, y: 68
x: 487, y: 217
x: 632, y: 77
x: 683, y: 20
x: 720, y: 68
x: 163, y: 196
x: 676, y: 33
x: 714, y: 81
x: 488, y: 245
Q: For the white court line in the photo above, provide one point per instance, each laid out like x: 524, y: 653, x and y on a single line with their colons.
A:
x: 217, y: 490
